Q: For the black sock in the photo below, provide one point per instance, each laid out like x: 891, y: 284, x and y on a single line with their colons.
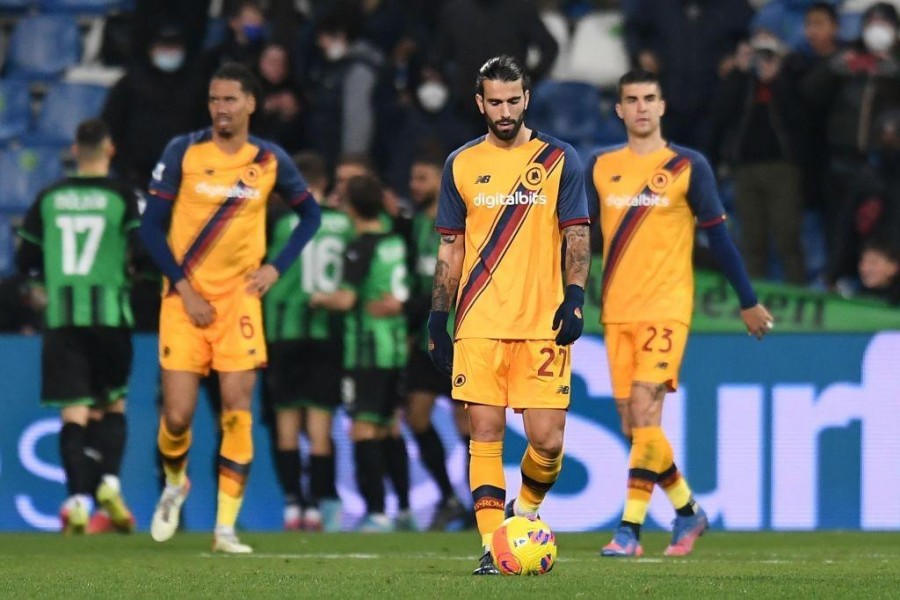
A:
x: 113, y: 433
x: 75, y: 461
x: 688, y: 510
x: 93, y: 449
x: 397, y: 460
x: 635, y: 527
x: 370, y: 471
x: 321, y: 477
x: 287, y: 467
x: 431, y: 450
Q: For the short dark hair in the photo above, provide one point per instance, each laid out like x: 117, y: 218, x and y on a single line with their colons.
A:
x: 637, y: 76
x: 239, y: 7
x: 312, y: 166
x: 344, y: 17
x: 432, y: 159
x: 501, y: 68
x: 883, y: 244
x: 91, y: 133
x: 826, y: 7
x: 364, y: 195
x: 360, y: 159
x: 232, y: 71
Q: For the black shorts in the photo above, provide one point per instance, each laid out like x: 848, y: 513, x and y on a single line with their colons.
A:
x: 372, y: 395
x: 85, y: 365
x: 422, y: 376
x: 304, y: 373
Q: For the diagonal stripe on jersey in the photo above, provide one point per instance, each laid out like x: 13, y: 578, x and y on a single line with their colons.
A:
x: 630, y: 223
x: 500, y: 240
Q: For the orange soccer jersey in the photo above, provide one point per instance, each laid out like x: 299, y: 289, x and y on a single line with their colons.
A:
x: 511, y: 205
x: 218, y: 228
x: 647, y: 208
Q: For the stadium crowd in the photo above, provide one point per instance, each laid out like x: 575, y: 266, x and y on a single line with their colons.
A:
x: 796, y: 104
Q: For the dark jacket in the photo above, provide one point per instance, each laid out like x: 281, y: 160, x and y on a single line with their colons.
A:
x: 853, y: 88
x: 145, y: 109
x: 756, y: 122
x: 690, y: 38
x: 472, y: 31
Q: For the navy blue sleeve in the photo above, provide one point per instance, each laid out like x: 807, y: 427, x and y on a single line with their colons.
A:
x: 289, y: 183
x: 723, y: 250
x: 590, y: 189
x: 451, y: 216
x: 571, y: 206
x: 166, y: 177
x: 291, y: 186
x: 153, y: 229
x: 703, y: 194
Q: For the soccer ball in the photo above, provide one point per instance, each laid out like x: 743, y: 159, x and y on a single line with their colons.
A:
x: 523, y: 546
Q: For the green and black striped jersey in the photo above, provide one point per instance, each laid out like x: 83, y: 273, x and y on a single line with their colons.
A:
x: 82, y: 226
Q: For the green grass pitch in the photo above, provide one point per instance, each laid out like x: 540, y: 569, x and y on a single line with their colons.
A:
x: 426, y: 565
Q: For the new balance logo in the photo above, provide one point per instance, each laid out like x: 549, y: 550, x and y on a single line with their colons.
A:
x: 615, y: 178
x: 483, y: 179
x: 563, y: 389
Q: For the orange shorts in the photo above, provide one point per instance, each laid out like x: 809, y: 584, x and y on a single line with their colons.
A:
x: 646, y: 351
x: 233, y: 342
x: 518, y: 374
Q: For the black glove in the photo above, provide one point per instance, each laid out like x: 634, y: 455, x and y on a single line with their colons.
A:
x: 568, y: 318
x: 440, y: 346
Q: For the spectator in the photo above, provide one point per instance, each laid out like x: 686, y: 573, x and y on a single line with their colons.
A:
x: 874, y: 205
x: 853, y: 88
x: 685, y: 41
x: 281, y: 114
x: 157, y: 98
x: 244, y: 40
x: 820, y: 29
x: 762, y: 105
x: 342, y: 111
x: 471, y: 31
x: 879, y: 271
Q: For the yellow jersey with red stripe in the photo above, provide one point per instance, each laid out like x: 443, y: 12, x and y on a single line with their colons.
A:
x: 648, y: 206
x: 218, y: 228
x: 511, y: 205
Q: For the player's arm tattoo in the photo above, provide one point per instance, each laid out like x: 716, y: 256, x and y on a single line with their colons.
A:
x: 447, y: 272
x: 578, y: 254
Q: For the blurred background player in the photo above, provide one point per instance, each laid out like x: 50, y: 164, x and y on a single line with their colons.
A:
x: 508, y: 199
x: 647, y: 294
x: 212, y: 187
x: 375, y: 350
x: 423, y: 382
x: 305, y: 357
x: 77, y: 235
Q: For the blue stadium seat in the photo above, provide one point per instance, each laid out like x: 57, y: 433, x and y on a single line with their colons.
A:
x: 42, y: 47
x: 24, y: 172
x: 15, y: 109
x: 65, y: 106
x: 93, y: 7
x: 576, y: 113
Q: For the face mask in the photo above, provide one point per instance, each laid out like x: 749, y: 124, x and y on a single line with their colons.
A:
x: 253, y: 33
x: 168, y: 60
x: 432, y: 96
x: 336, y: 51
x: 879, y: 37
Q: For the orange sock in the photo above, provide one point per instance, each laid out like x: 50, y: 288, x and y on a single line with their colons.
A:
x: 488, y: 485
x: 678, y: 491
x: 650, y: 450
x: 235, y: 457
x: 174, y: 451
x: 538, y: 476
